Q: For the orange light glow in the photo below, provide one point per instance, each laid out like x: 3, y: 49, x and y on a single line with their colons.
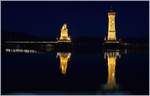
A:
x: 64, y: 37
x: 111, y: 62
x: 64, y: 58
x: 111, y: 26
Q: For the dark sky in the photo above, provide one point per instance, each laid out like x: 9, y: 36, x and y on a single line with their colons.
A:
x: 83, y: 18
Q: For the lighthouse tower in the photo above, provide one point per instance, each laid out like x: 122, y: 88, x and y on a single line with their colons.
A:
x: 111, y: 35
x: 64, y: 36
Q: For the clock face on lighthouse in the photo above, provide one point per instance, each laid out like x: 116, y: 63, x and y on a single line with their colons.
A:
x: 112, y: 21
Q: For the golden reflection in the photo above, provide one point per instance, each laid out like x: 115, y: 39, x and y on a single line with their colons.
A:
x: 64, y: 36
x: 111, y: 63
x: 64, y: 58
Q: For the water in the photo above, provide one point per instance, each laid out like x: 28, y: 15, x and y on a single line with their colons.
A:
x: 84, y: 72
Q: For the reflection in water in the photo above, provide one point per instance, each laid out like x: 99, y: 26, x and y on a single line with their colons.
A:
x: 64, y: 58
x: 20, y: 50
x: 111, y: 62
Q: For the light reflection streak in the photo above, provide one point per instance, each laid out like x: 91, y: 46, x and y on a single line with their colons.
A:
x: 111, y: 63
x: 64, y: 57
x: 20, y: 50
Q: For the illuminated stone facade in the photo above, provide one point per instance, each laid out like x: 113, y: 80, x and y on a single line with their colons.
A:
x: 64, y: 36
x: 111, y: 27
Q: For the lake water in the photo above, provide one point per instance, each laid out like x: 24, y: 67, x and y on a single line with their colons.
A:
x: 84, y: 72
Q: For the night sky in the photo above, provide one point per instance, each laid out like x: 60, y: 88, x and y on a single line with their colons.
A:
x: 44, y: 19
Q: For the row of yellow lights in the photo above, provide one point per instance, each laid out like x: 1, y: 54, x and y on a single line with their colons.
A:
x: 20, y: 50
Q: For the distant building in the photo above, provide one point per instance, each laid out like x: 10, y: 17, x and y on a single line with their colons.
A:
x: 64, y: 36
x: 111, y: 35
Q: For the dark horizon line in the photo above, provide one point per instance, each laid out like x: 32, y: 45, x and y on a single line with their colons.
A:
x: 73, y: 37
